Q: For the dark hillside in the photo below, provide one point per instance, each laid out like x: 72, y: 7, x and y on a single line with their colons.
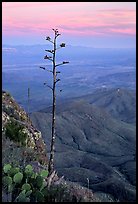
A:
x: 120, y: 103
x: 92, y: 144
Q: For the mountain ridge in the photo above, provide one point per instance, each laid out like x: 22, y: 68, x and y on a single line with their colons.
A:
x: 88, y: 139
x: 116, y: 101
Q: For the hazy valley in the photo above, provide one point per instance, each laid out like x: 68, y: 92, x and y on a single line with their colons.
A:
x: 96, y: 112
x: 89, y: 69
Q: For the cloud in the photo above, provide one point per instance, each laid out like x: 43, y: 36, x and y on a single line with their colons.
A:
x: 8, y: 49
x: 108, y: 22
x: 25, y: 4
x: 39, y: 18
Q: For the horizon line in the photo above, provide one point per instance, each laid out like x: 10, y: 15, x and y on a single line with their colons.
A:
x: 39, y: 44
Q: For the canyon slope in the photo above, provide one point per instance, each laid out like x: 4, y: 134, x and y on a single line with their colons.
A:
x: 96, y: 139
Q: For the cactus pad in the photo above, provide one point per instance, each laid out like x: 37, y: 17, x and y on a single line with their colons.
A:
x: 18, y: 177
x: 26, y: 187
x: 44, y: 173
x: 7, y: 168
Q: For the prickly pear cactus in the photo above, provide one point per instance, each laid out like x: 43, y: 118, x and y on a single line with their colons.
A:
x: 13, y: 171
x: 7, y: 181
x: 44, y: 173
x: 25, y: 184
x: 18, y: 177
x: 39, y: 181
x: 7, y: 168
x: 28, y: 193
x: 39, y: 196
x: 22, y: 197
x: 29, y: 169
x: 26, y: 187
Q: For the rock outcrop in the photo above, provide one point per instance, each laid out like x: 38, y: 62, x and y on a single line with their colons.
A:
x: 12, y: 112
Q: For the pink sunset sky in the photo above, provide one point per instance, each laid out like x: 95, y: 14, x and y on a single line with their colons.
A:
x: 96, y: 24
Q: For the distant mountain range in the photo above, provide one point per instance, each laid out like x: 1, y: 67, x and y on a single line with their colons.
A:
x: 32, y: 54
x: 95, y: 139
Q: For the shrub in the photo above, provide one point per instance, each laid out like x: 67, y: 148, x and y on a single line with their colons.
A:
x: 15, y: 133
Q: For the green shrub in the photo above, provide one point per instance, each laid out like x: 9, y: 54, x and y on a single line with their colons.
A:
x: 14, y: 132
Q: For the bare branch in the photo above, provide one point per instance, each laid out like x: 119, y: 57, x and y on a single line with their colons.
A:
x: 58, y: 48
x: 62, y: 45
x: 55, y: 30
x: 42, y: 68
x: 48, y: 86
x: 57, y: 35
x: 64, y: 62
x: 57, y: 80
x: 58, y: 64
x: 49, y: 70
x: 46, y: 69
x: 49, y: 39
x: 58, y: 72
x: 50, y: 179
x: 51, y: 51
x: 48, y: 57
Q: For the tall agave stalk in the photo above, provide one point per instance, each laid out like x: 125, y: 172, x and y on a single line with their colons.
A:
x: 55, y: 72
